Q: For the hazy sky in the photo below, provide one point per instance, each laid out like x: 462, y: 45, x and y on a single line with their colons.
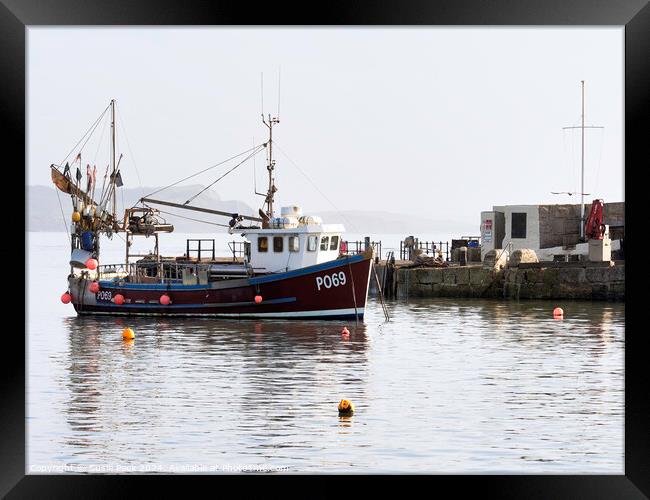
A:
x: 442, y: 122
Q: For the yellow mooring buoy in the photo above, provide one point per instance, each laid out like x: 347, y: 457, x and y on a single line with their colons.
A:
x: 127, y: 333
x: 346, y: 407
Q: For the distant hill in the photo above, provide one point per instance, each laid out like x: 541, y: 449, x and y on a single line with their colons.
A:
x: 379, y: 222
x: 44, y: 212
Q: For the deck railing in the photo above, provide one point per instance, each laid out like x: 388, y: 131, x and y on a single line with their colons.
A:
x: 202, y: 245
x: 357, y: 247
x: 237, y: 248
x: 143, y: 272
x: 427, y: 247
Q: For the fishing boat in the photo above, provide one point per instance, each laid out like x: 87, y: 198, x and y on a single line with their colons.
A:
x: 293, y: 265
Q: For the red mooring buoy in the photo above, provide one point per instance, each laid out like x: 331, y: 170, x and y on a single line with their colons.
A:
x: 66, y: 298
x: 258, y: 299
x: 119, y: 299
x: 165, y: 300
x: 94, y: 287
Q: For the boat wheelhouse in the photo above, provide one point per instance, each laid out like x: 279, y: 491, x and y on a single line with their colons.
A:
x: 292, y: 242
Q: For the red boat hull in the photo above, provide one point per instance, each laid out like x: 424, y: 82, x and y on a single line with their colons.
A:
x: 332, y: 290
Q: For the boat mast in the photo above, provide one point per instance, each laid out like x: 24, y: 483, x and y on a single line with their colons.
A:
x: 113, y: 155
x: 270, y: 166
x: 582, y: 185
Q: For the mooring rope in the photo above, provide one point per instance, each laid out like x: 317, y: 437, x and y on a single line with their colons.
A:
x: 381, y: 293
x: 354, y: 294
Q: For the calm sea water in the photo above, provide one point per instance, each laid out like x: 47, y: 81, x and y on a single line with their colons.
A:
x: 447, y: 386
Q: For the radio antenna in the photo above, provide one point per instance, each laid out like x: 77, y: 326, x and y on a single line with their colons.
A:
x: 582, y: 127
x: 279, y: 73
x: 254, y: 180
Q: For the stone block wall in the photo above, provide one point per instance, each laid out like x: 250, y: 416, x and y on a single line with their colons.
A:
x: 580, y: 281
x: 570, y: 282
x: 560, y: 224
x: 467, y: 281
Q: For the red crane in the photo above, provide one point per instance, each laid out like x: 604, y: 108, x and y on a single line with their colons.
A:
x: 594, y: 227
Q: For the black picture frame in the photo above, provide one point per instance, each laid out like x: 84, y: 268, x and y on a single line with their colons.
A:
x: 17, y: 15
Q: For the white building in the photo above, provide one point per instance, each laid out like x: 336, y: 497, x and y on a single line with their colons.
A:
x: 550, y: 230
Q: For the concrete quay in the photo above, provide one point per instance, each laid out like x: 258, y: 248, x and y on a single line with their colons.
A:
x: 542, y: 280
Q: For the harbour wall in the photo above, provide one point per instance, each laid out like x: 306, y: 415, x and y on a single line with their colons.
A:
x: 545, y: 280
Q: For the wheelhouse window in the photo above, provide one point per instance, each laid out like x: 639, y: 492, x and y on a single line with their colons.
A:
x: 278, y: 243
x: 294, y: 244
x: 334, y: 243
x: 312, y: 242
x: 262, y: 244
x: 324, y: 241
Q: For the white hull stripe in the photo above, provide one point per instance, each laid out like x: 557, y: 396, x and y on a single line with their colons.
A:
x: 293, y: 314
x: 187, y: 306
x: 308, y: 270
